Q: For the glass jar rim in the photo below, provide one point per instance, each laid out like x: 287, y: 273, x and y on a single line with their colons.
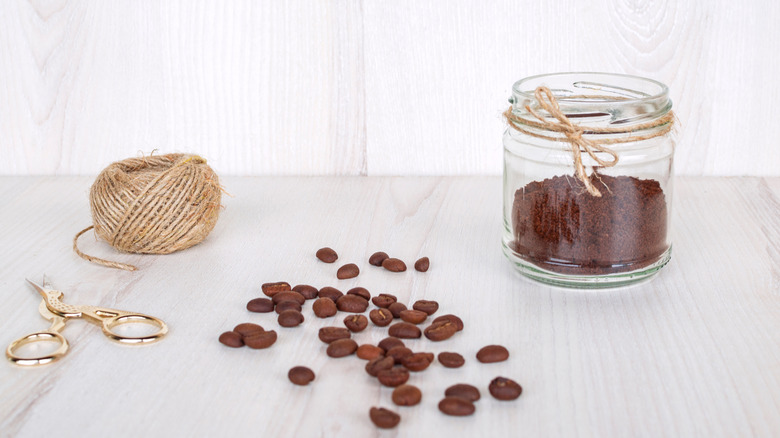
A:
x: 628, y: 95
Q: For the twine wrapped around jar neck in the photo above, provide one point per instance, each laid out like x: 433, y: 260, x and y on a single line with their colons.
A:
x: 573, y: 133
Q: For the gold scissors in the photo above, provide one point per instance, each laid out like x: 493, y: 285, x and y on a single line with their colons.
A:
x: 53, y: 309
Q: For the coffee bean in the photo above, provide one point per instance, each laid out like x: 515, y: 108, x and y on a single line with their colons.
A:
x: 394, y: 265
x: 352, y: 304
x: 398, y: 353
x: 384, y: 418
x: 324, y: 307
x: 453, y: 319
x: 417, y: 361
x: 272, y: 289
x: 377, y: 258
x: 231, y: 339
x: 261, y: 340
x: 361, y: 292
x: 327, y: 255
x: 384, y: 300
x: 407, y: 395
x: 422, y: 265
x: 260, y: 305
x: 413, y: 316
x: 290, y: 318
x: 369, y: 352
x: 308, y: 292
x: 300, y: 375
x: 288, y: 305
x: 390, y: 342
x: 330, y: 292
x: 439, y: 331
x: 374, y: 366
x: 492, y: 353
x: 451, y: 360
x: 505, y: 389
x: 427, y: 306
x: 248, y: 329
x: 463, y: 390
x: 404, y: 330
x: 381, y: 317
x: 396, y: 309
x: 456, y: 406
x: 289, y: 295
x: 393, y: 377
x: 330, y: 334
x: 341, y: 348
x: 349, y: 270
x: 356, y: 323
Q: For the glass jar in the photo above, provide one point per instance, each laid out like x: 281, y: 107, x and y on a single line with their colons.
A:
x: 588, y: 179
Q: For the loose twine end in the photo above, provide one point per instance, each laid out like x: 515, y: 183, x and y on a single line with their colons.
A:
x: 98, y: 260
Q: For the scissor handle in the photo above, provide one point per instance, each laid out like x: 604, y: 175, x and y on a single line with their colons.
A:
x: 46, y: 336
x: 133, y: 318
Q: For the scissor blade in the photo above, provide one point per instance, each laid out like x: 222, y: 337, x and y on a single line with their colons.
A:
x: 37, y: 287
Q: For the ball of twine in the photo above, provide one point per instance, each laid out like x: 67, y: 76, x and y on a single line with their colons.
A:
x: 153, y: 205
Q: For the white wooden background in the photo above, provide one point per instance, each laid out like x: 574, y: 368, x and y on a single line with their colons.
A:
x: 364, y: 87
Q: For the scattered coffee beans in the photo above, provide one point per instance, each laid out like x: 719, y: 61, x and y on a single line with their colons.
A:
x: 381, y: 317
x: 451, y: 360
x: 407, y: 395
x: 288, y: 305
x: 350, y: 270
x: 289, y: 295
x: 394, y: 265
x: 456, y: 406
x: 290, y: 318
x: 374, y: 366
x: 427, y: 306
x: 261, y: 340
x: 463, y: 390
x: 330, y: 292
x: 272, y: 289
x: 413, y: 316
x: 390, y: 342
x: 404, y: 330
x: 440, y: 331
x: 308, y: 292
x: 417, y: 361
x: 356, y: 323
x: 330, y: 334
x: 300, y: 375
x: 492, y: 353
x: 327, y: 255
x: 377, y: 258
x: 248, y: 329
x: 352, y: 304
x: 369, y: 352
x: 384, y: 418
x: 231, y: 339
x: 324, y: 307
x: 361, y: 292
x: 396, y: 309
x: 452, y: 318
x: 398, y: 353
x: 422, y: 265
x: 260, y: 305
x: 505, y: 389
x: 341, y: 348
x: 395, y: 376
x: 384, y: 300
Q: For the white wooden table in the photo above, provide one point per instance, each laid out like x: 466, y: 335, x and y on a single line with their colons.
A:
x: 696, y: 352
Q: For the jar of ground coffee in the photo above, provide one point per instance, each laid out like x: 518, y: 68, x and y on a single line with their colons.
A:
x: 588, y: 178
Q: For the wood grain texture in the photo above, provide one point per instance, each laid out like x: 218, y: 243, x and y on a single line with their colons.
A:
x: 695, y: 352
x: 353, y: 87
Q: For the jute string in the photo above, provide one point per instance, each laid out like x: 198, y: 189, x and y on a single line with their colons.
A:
x: 153, y: 205
x: 575, y: 134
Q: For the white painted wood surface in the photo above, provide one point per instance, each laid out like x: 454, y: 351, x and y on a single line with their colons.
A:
x: 412, y: 87
x: 696, y: 352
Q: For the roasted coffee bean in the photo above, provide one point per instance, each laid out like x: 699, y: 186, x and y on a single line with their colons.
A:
x: 327, y: 255
x: 290, y: 318
x: 231, y: 339
x: 453, y: 319
x: 407, y: 395
x: 463, y: 390
x: 330, y: 292
x: 260, y: 305
x: 324, y: 307
x: 404, y: 330
x: 422, y: 265
x: 356, y: 323
x: 287, y: 305
x: 248, y: 329
x: 377, y: 258
x: 413, y: 316
x: 381, y: 317
x: 394, y: 265
x: 427, y: 306
x: 300, y: 375
x: 369, y: 352
x: 384, y: 300
x: 417, y: 361
x: 398, y: 353
x: 456, y: 406
x: 352, y: 304
x: 361, y: 292
x: 396, y: 309
x: 341, y: 348
x: 289, y: 295
x: 390, y: 342
x: 439, y: 331
x: 492, y: 353
x: 349, y: 270
x: 308, y: 292
x: 384, y: 418
x: 272, y: 289
x: 393, y: 377
x: 505, y: 389
x: 330, y: 334
x: 451, y: 360
x: 261, y: 340
x: 378, y: 364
